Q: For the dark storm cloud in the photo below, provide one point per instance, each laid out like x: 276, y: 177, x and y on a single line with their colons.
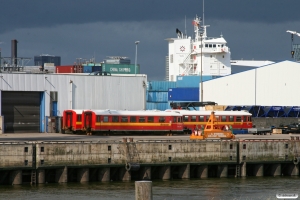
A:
x: 39, y: 13
x: 74, y: 29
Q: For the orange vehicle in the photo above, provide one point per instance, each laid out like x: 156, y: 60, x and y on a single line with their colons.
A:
x: 212, y: 130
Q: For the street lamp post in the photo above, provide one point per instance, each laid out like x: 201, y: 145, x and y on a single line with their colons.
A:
x: 136, y: 44
x: 201, y: 82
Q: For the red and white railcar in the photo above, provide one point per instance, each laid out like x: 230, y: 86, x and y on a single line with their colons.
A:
x: 132, y: 122
x: 238, y: 120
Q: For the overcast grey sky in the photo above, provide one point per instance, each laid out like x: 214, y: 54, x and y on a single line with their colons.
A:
x: 253, y: 29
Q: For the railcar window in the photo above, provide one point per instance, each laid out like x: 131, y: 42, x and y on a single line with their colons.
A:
x: 186, y: 118
x: 174, y: 119
x: 207, y: 118
x: 201, y: 118
x: 105, y: 119
x: 193, y: 118
x: 124, y: 119
x: 245, y: 119
x: 180, y: 119
x: 231, y: 119
x: 133, y: 119
x: 224, y: 118
x: 142, y: 119
x: 150, y: 119
x: 115, y: 118
x: 238, y: 118
x: 218, y: 118
x: 162, y: 119
x: 79, y: 118
x: 98, y: 118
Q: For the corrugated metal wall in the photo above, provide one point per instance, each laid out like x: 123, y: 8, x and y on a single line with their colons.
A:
x: 275, y: 84
x: 82, y: 92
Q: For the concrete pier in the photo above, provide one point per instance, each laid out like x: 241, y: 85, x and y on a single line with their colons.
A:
x: 61, y: 175
x: 258, y: 170
x: 41, y: 176
x: 293, y: 170
x: 276, y: 170
x: 145, y: 173
x: 184, y: 172
x: 202, y: 171
x: 83, y: 175
x: 124, y: 175
x: 163, y: 159
x: 243, y: 169
x: 222, y: 171
x: 104, y: 174
x: 165, y: 173
x: 15, y: 177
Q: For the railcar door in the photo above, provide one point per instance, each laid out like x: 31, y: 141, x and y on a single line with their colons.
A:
x: 69, y: 120
x: 88, y: 121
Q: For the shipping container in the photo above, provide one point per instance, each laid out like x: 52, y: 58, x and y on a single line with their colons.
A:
x: 117, y: 60
x: 65, y: 69
x: 91, y: 64
x: 157, y: 106
x: 162, y: 86
x: 157, y: 96
x: 87, y: 69
x: 192, y: 81
x: 183, y: 94
x: 121, y: 68
x: 97, y: 68
x: 78, y: 69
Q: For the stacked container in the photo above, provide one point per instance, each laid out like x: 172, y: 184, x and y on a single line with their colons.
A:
x: 157, y: 95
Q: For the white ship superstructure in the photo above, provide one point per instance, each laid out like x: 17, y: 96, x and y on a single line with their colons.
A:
x: 188, y: 56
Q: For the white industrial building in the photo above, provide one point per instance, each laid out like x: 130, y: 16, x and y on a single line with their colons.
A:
x: 27, y: 99
x: 271, y: 85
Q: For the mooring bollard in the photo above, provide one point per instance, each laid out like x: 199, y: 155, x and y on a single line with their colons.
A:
x: 143, y: 190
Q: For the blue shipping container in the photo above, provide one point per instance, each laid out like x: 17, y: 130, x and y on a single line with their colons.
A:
x: 157, y: 106
x: 183, y: 94
x: 192, y: 81
x: 162, y: 86
x: 97, y: 68
x: 157, y: 96
x: 87, y: 69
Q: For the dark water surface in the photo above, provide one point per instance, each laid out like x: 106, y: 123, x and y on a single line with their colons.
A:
x: 211, y: 188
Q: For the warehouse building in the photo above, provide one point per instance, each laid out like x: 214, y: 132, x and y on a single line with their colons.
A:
x: 28, y: 99
x: 272, y: 85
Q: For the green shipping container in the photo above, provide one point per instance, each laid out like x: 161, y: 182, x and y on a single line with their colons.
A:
x: 121, y: 68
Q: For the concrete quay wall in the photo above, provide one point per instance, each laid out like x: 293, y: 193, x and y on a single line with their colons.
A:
x: 16, y: 155
x: 40, y: 162
x: 260, y: 151
x: 111, y: 153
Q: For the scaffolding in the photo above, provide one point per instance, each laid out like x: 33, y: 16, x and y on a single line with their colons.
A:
x: 9, y: 64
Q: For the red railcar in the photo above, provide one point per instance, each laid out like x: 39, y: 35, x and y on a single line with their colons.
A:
x: 72, y: 120
x: 132, y: 122
x: 240, y: 121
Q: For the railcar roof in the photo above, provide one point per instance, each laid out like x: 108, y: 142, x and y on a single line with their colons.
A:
x: 208, y: 112
x: 77, y: 111
x: 135, y: 113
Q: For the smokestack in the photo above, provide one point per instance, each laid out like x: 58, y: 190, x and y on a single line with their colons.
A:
x: 14, y: 53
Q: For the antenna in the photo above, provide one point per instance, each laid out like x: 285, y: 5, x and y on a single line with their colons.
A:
x: 185, y: 25
x: 203, y: 14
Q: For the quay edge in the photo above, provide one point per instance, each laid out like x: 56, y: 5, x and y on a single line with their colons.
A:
x: 81, y: 161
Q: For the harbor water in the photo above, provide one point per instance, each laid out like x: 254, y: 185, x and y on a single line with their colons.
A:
x: 210, y: 188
